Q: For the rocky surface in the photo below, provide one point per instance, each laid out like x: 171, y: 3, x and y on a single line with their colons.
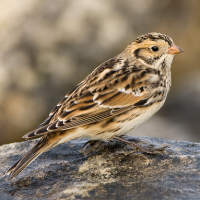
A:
x: 5, y: 197
x: 110, y: 170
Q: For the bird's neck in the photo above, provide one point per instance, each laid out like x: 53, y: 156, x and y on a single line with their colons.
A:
x: 165, y: 70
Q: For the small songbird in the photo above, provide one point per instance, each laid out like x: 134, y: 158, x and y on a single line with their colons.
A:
x: 115, y: 98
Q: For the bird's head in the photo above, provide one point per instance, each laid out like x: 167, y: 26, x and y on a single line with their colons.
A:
x: 153, y: 48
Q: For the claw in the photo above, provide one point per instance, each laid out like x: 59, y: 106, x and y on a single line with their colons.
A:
x: 143, y: 149
x: 91, y: 142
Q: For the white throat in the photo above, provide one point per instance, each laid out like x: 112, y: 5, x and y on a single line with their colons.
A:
x: 167, y: 58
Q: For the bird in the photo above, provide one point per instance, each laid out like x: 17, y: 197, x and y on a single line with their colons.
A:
x: 118, y: 96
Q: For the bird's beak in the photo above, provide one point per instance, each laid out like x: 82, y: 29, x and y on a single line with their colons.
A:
x: 174, y: 49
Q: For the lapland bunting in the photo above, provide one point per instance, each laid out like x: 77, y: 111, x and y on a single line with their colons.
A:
x: 115, y: 98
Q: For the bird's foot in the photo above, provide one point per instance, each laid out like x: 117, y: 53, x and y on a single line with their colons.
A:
x: 91, y: 145
x: 147, y: 150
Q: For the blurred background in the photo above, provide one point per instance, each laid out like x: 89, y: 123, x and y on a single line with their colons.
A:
x: 47, y: 47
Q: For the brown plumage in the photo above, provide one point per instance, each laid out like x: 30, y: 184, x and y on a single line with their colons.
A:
x: 116, y: 97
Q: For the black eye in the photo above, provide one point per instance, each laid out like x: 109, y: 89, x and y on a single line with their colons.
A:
x: 154, y: 48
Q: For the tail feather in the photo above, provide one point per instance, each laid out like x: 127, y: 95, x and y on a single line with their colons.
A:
x: 30, y: 156
x: 12, y: 168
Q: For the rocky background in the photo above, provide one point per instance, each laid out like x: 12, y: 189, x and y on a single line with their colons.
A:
x: 47, y: 47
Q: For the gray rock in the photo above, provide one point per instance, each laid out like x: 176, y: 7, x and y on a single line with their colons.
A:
x: 5, y: 197
x: 107, y: 171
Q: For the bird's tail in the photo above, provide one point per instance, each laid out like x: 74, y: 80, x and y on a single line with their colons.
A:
x: 43, y: 145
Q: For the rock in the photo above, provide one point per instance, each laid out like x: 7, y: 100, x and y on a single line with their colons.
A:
x: 110, y: 170
x: 5, y: 197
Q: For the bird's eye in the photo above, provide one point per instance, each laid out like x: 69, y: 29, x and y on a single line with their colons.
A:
x: 154, y: 48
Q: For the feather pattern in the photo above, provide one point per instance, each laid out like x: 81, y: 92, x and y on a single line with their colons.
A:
x: 93, y: 102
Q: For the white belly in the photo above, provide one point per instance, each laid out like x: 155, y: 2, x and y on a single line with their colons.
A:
x: 145, y: 115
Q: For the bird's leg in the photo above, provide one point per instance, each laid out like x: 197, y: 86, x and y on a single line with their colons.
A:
x: 90, y: 142
x: 131, y: 143
x: 94, y: 146
x: 143, y: 149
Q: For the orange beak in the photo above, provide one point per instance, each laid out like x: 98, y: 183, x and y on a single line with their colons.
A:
x: 174, y: 49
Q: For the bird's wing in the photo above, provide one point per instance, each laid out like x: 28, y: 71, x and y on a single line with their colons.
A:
x: 112, y: 89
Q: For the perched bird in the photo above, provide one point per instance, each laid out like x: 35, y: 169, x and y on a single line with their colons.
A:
x: 115, y: 98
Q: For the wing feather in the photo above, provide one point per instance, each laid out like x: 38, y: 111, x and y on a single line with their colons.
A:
x: 93, y: 100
